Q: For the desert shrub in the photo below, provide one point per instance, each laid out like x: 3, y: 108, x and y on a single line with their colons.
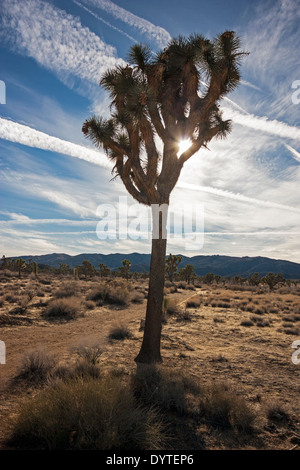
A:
x: 276, y: 414
x: 223, y: 409
x: 96, y: 414
x: 190, y: 287
x: 138, y: 298
x: 165, y: 389
x: 68, y: 308
x: 291, y: 331
x: 89, y: 304
x: 115, y: 293
x: 259, y: 311
x: 168, y: 284
x: 193, y: 304
x: 68, y: 289
x: 181, y: 285
x: 219, y: 358
x: 247, y: 323
x: 86, y: 369
x: 11, y: 298
x: 263, y: 323
x: 118, y: 296
x: 172, y: 307
x: 98, y: 293
x: 36, y: 367
x: 44, y: 281
x: 183, y: 316
x: 119, y: 332
x: 218, y: 320
x: 291, y: 318
x: 89, y: 352
x: 223, y: 305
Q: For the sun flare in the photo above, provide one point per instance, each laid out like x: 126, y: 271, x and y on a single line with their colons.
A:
x: 184, y: 145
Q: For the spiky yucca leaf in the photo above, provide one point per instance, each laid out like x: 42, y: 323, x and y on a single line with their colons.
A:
x: 140, y: 55
x: 99, y: 130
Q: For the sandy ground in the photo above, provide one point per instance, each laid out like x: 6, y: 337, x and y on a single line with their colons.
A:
x: 210, y: 344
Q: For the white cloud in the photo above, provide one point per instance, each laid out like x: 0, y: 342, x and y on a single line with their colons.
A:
x: 157, y: 33
x: 25, y: 135
x: 56, y: 40
x: 263, y: 124
x: 271, y: 38
x: 294, y: 152
x: 104, y: 21
x: 238, y: 197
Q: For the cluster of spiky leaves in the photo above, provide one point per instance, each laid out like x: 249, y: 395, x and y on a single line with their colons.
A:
x: 159, y: 96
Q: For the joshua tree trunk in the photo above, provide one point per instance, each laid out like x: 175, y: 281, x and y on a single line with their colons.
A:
x: 150, y: 349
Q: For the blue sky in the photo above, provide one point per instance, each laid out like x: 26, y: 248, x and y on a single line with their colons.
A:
x: 52, y: 56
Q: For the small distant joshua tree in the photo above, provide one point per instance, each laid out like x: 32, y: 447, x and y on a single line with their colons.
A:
x: 171, y: 96
x: 172, y: 263
x: 21, y: 265
x: 187, y: 273
x: 125, y: 268
x: 35, y: 268
x: 104, y: 270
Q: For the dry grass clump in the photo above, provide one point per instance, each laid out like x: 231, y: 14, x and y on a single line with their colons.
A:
x: 195, y: 303
x: 291, y: 318
x: 119, y: 332
x: 67, y: 289
x: 184, y: 316
x: 67, y: 308
x: 36, y: 367
x: 114, y: 293
x: 291, y: 331
x: 162, y: 388
x: 137, y: 298
x: 95, y: 414
x: 11, y: 298
x: 171, y: 307
x: 223, y: 409
x: 277, y: 414
x: 247, y: 323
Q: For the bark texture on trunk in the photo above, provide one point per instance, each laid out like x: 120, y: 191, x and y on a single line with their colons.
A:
x: 150, y: 349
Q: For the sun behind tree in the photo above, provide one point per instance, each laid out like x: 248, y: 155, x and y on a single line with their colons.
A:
x: 159, y: 97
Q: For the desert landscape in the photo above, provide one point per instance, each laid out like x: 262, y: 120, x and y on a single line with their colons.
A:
x: 150, y: 258
x: 227, y: 380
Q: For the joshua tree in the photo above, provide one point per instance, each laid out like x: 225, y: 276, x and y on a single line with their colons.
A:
x: 172, y: 263
x: 87, y: 269
x: 162, y: 98
x: 21, y: 265
x: 272, y: 280
x: 104, y: 270
x: 125, y: 268
x: 35, y: 268
x: 187, y: 272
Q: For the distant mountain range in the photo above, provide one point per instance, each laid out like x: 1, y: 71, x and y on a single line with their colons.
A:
x: 216, y: 264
